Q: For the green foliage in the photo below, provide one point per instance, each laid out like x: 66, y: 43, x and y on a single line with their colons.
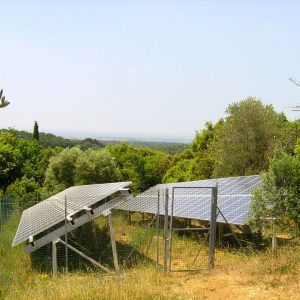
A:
x: 61, y: 170
x: 10, y: 167
x: 196, y: 162
x: 76, y: 167
x: 96, y: 167
x: 290, y: 132
x: 25, y: 191
x: 26, y: 164
x: 203, y: 138
x: 279, y: 192
x: 20, y: 157
x: 51, y: 140
x: 182, y: 171
x: 144, y: 167
x: 21, y: 162
x: 297, y: 147
x: 36, y: 134
x: 90, y: 144
x: 168, y: 147
x: 130, y: 163
x: 204, y: 153
x: 155, y: 168
x: 248, y: 138
x: 34, y: 159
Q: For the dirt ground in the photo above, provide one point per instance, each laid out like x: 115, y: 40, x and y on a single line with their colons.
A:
x: 238, y: 284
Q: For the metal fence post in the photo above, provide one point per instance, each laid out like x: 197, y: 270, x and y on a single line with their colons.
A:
x: 157, y: 232
x: 113, y: 242
x: 165, y: 230
x: 171, y: 230
x: 213, y: 226
x: 54, y: 258
x: 66, y: 233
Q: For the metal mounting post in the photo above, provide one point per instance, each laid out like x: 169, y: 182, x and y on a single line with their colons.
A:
x: 171, y: 231
x: 54, y: 258
x: 213, y: 226
x: 157, y: 232
x: 274, y: 239
x: 66, y: 233
x: 165, y: 230
x: 113, y: 240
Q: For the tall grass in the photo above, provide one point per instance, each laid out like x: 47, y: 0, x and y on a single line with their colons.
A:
x: 267, y: 276
x: 15, y: 267
x: 237, y: 276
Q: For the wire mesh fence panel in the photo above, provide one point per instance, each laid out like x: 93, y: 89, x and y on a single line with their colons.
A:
x: 136, y: 238
x: 6, y: 210
x: 189, y: 237
x: 160, y: 235
x: 89, y: 247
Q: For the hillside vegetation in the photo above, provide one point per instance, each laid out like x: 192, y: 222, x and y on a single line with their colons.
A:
x: 52, y: 140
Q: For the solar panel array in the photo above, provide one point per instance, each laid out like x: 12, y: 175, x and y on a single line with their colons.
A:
x: 51, y: 211
x: 234, y: 195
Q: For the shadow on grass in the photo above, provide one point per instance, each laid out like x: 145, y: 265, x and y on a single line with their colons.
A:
x: 94, y: 242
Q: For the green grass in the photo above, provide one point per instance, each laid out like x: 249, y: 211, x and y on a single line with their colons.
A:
x: 14, y: 262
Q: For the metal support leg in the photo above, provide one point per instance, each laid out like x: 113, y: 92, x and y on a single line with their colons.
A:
x: 66, y: 234
x: 213, y: 225
x: 235, y: 236
x: 157, y: 232
x: 171, y: 230
x: 54, y: 258
x: 165, y: 230
x: 113, y: 243
x: 129, y: 217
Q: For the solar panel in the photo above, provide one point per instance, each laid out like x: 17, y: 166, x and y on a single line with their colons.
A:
x: 234, y: 195
x: 51, y: 211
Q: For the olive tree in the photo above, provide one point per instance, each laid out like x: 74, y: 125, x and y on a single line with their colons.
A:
x: 248, y: 138
x: 279, y: 192
x: 76, y: 167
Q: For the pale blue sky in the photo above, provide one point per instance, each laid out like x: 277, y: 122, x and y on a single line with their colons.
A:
x: 149, y: 69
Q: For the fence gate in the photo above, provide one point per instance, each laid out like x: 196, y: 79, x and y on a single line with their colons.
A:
x: 189, y: 230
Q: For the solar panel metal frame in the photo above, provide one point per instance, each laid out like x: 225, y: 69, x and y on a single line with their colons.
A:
x: 51, y: 211
x: 234, y: 195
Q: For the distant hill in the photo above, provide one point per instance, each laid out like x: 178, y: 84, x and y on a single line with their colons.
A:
x: 52, y: 140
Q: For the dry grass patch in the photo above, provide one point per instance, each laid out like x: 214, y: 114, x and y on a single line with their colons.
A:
x: 238, y: 275
x: 258, y: 277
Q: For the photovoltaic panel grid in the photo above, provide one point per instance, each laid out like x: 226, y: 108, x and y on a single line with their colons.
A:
x: 234, y: 195
x: 51, y: 211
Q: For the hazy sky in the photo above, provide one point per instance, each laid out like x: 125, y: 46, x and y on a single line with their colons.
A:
x: 154, y: 69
